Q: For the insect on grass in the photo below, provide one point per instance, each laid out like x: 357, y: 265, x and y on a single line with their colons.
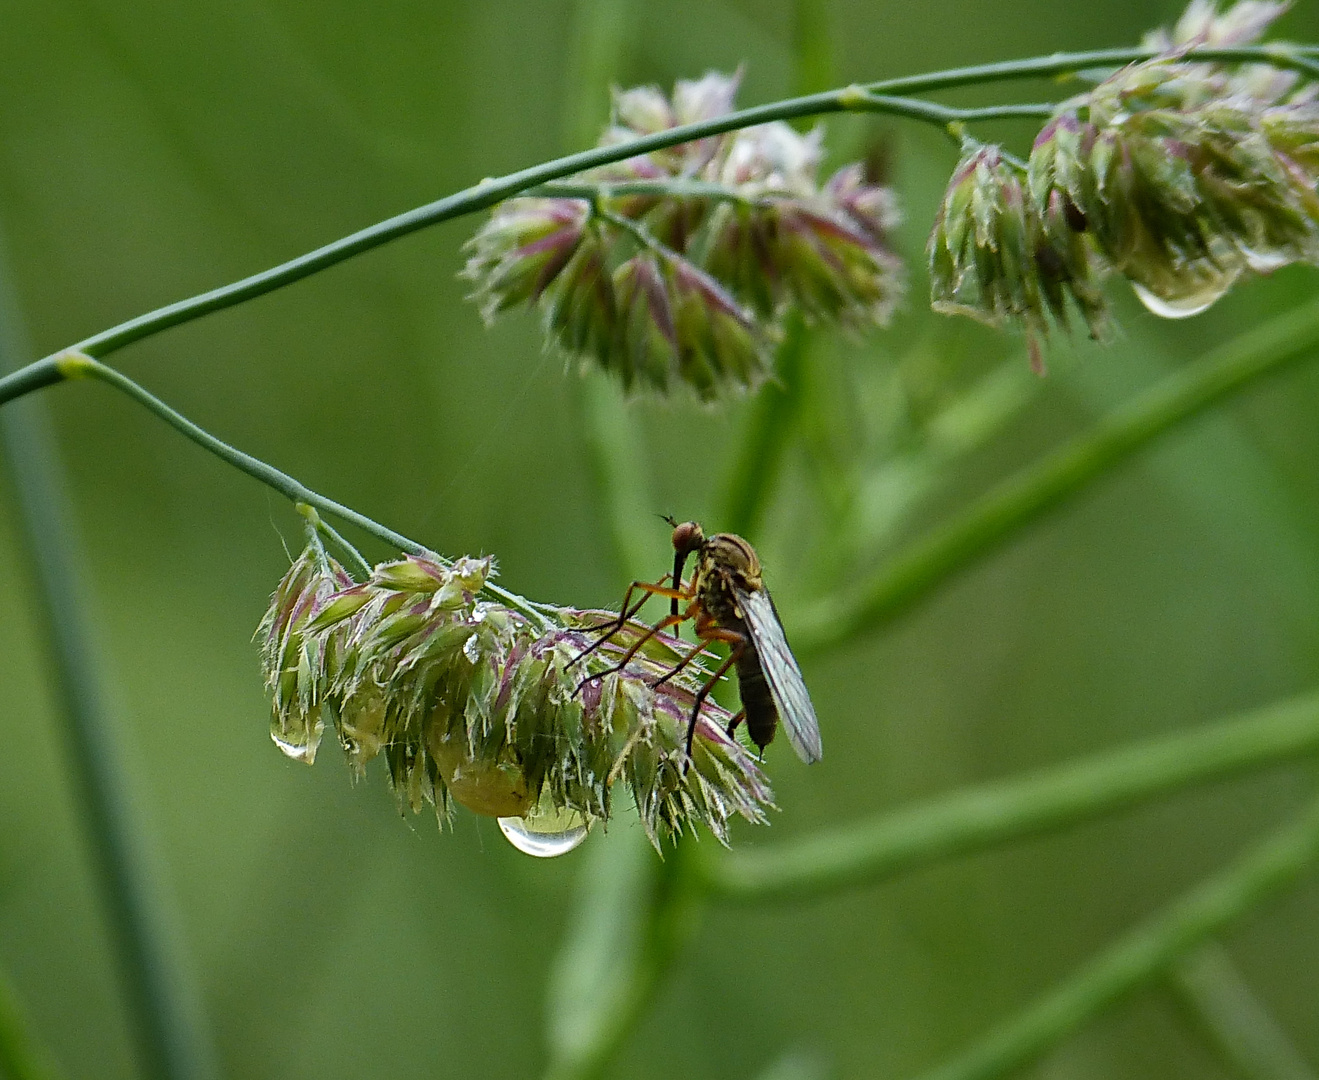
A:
x: 726, y: 600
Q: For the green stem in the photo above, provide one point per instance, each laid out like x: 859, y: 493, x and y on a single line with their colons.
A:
x: 75, y: 365
x: 859, y: 100
x: 1057, y: 477
x: 672, y: 917
x: 1069, y: 63
x: 1233, y: 1019
x: 666, y: 189
x: 319, y: 526
x: 24, y: 380
x: 1143, y: 954
x: 641, y: 235
x: 875, y: 96
x: 863, y: 100
x: 976, y: 818
x: 773, y: 415
x: 20, y: 1056
x: 159, y: 1001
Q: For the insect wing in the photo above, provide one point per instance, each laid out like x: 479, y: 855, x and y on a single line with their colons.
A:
x: 782, y: 673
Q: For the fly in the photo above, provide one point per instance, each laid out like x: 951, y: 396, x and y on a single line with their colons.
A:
x: 726, y: 600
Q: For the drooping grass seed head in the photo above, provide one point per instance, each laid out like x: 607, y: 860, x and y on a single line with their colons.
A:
x: 645, y: 110
x: 1203, y: 24
x: 298, y: 661
x: 687, y: 280
x: 1184, y: 186
x: 996, y: 256
x: 521, y: 249
x: 580, y: 306
x: 471, y: 703
x: 719, y: 341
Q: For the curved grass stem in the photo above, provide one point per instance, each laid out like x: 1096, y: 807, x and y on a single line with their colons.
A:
x: 882, y: 96
x: 1142, y: 955
x: 76, y: 365
x: 1026, y: 496
x: 976, y: 818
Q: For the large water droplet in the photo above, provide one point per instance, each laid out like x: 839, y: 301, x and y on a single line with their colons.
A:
x: 545, y: 834
x: 1185, y: 306
x: 1265, y: 262
x: 302, y: 750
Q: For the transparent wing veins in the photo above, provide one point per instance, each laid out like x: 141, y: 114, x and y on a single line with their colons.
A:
x: 782, y: 673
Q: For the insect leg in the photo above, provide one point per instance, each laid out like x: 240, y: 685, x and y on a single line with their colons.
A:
x: 733, y: 656
x: 663, y: 624
x: 625, y: 612
x: 732, y: 724
x: 613, y: 626
x: 707, y: 633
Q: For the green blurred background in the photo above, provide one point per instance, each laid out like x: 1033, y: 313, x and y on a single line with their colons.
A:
x: 151, y: 149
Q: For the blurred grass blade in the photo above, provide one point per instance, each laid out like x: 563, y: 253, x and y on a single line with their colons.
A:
x: 664, y: 913
x: 889, y: 494
x: 640, y: 542
x: 160, y: 1002
x: 597, y: 973
x: 772, y: 415
x: 1142, y: 955
x: 769, y: 425
x: 21, y: 1058
x: 976, y: 818
x: 1233, y: 1019
x: 812, y: 47
x: 1024, y: 497
x: 798, y: 1065
x: 598, y: 43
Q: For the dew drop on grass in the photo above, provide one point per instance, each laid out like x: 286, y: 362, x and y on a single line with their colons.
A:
x: 1186, y: 306
x: 297, y: 750
x: 545, y: 834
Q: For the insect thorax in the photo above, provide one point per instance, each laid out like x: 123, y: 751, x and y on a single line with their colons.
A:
x: 728, y: 564
x: 718, y: 598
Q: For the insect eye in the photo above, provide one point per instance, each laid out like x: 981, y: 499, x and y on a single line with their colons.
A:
x: 687, y: 537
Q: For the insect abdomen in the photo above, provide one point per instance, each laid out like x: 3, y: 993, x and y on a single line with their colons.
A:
x: 762, y: 716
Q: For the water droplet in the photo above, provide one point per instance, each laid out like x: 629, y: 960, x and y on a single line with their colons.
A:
x: 1186, y: 306
x: 297, y: 750
x: 1265, y: 262
x: 545, y: 834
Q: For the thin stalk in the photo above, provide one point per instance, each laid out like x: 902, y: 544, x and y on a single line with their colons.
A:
x: 1047, y: 483
x: 863, y: 100
x: 773, y: 417
x: 672, y: 918
x: 159, y: 1003
x: 318, y: 526
x: 1003, y: 811
x: 74, y: 365
x: 665, y: 189
x: 21, y: 1058
x: 878, y: 96
x: 1289, y: 57
x: 1233, y: 1019
x: 640, y: 234
x: 1143, y: 955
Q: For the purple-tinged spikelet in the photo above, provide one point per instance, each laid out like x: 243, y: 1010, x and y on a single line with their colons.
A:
x: 687, y: 280
x: 470, y: 702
